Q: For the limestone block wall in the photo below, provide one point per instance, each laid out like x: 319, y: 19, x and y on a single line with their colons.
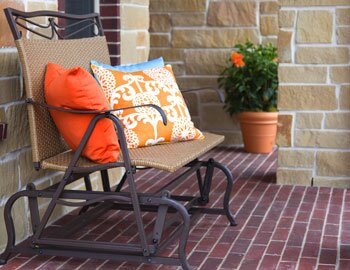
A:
x: 314, y: 92
x: 16, y: 169
x: 135, y: 40
x: 196, y: 37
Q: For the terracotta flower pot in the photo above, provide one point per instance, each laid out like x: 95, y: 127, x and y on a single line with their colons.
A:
x: 259, y: 131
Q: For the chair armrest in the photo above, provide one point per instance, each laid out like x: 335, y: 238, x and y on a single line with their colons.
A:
x: 99, y: 115
x: 44, y: 105
x: 218, y: 92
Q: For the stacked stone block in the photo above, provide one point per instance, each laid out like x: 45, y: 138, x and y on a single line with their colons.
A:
x: 197, y: 36
x: 314, y: 76
x: 135, y: 41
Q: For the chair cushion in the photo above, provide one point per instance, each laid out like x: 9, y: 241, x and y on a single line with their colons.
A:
x: 155, y: 63
x: 75, y: 88
x: 143, y: 126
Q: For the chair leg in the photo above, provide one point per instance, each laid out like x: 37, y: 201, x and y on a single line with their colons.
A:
x: 137, y: 211
x: 105, y: 181
x: 182, y: 247
x: 185, y: 230
x: 228, y: 191
x: 205, y: 189
x: 88, y: 187
x: 200, y: 182
x: 34, y: 208
x: 10, y: 227
x: 87, y: 182
x: 51, y: 206
x: 121, y: 183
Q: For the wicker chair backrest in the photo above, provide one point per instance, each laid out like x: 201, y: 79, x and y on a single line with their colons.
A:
x: 34, y: 55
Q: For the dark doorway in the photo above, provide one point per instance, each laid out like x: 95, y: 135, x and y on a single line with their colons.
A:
x: 79, y: 7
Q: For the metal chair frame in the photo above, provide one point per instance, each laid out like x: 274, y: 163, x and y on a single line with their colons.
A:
x: 95, y: 203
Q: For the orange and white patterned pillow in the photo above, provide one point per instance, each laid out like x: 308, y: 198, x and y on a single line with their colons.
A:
x: 143, y: 126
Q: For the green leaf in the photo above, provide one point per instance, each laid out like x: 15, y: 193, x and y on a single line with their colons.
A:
x: 254, y: 86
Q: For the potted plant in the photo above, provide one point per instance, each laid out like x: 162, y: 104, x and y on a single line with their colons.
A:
x: 250, y: 82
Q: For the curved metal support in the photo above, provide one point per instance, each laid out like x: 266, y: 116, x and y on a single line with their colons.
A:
x: 23, y: 19
x: 200, y: 182
x: 121, y: 183
x: 229, y: 187
x: 75, y: 158
x: 185, y: 230
x: 87, y: 182
x: 88, y: 187
x: 93, y: 201
x: 207, y: 181
x: 44, y: 105
x: 105, y: 180
x: 131, y: 182
x: 10, y: 227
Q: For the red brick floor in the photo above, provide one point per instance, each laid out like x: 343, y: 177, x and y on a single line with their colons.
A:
x: 280, y: 227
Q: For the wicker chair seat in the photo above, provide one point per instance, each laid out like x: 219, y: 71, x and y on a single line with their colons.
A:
x: 167, y: 157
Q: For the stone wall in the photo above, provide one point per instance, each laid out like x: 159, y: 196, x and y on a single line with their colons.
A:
x: 314, y: 92
x: 197, y: 36
x: 135, y: 41
x: 312, y: 36
x: 16, y: 168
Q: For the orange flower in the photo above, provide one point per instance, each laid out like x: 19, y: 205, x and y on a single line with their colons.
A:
x: 237, y: 59
x: 275, y: 60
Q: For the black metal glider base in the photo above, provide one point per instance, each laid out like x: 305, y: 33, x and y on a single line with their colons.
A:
x: 170, y: 210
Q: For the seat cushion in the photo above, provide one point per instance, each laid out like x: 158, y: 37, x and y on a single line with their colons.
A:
x: 143, y: 126
x: 75, y: 88
x: 167, y: 157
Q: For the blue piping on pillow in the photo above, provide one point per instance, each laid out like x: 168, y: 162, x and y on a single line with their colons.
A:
x: 155, y: 63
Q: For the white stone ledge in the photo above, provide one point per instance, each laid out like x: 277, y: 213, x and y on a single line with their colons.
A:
x: 110, y: 17
x: 207, y: 27
x: 224, y: 49
x: 299, y: 148
x: 127, y: 5
x: 296, y: 168
x: 339, y: 130
x: 311, y: 65
x: 13, y: 155
x: 315, y: 111
x: 11, y: 103
x: 322, y: 45
x: 4, y: 78
x: 110, y: 5
x: 314, y: 84
x: 8, y: 49
x: 297, y: 8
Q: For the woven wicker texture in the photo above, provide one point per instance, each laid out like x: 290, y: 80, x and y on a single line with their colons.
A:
x: 167, y: 157
x: 34, y: 56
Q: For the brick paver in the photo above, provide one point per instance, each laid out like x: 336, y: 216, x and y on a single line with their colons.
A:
x: 279, y: 227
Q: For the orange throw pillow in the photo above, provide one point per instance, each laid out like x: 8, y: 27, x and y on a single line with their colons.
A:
x: 76, y: 89
x: 143, y: 126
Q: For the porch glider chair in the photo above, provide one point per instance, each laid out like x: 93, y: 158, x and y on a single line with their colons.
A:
x: 51, y: 152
